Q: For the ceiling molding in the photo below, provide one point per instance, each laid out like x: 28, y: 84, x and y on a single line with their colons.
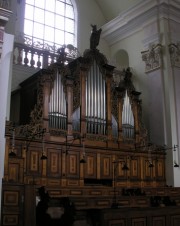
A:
x: 136, y: 18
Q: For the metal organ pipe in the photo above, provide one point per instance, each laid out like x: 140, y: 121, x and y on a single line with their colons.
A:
x: 127, y: 118
x: 95, y: 98
x: 95, y: 101
x: 57, y: 105
x: 98, y: 104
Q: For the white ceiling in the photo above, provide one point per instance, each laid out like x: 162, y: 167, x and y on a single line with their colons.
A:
x: 112, y: 8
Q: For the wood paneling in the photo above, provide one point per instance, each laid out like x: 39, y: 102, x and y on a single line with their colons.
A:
x: 54, y: 168
x: 139, y: 221
x: 91, y: 166
x: 11, y: 198
x: 159, y: 221
x: 166, y: 216
x: 117, y: 222
x: 106, y: 166
x: 16, y: 170
x: 10, y: 219
x: 175, y: 220
x: 12, y: 205
x: 34, y: 163
x: 73, y: 169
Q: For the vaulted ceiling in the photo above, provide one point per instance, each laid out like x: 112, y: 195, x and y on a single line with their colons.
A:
x: 112, y: 8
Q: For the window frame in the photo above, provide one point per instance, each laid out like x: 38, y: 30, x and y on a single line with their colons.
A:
x: 29, y: 39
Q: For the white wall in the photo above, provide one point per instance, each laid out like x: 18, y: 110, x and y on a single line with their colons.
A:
x: 5, y: 82
x: 89, y: 13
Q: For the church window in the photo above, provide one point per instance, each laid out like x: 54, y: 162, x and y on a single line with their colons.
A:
x: 49, y: 24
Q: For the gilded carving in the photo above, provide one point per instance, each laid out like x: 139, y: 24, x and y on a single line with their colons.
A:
x: 152, y: 57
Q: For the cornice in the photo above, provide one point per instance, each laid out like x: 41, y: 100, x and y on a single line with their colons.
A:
x: 136, y: 18
x: 4, y: 16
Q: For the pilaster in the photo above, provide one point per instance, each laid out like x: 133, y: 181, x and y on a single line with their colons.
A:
x: 4, y: 18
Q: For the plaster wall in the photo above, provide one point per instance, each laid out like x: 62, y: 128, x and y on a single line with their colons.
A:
x: 5, y: 80
x: 89, y: 13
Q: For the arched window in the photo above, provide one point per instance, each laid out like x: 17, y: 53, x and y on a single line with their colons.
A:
x: 49, y: 24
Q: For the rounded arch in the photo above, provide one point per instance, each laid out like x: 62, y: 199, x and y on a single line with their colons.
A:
x: 121, y: 59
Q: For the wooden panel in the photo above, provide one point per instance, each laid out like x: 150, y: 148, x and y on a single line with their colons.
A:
x: 103, y: 203
x: 139, y: 222
x: 148, y: 171
x: 91, y: 166
x: 12, y: 205
x: 73, y: 164
x: 117, y: 222
x: 55, y: 193
x: 175, y: 220
x: 106, y: 169
x: 11, y: 198
x: 34, y: 163
x: 54, y: 163
x: 134, y: 169
x: 16, y: 170
x: 54, y: 182
x: 119, y: 172
x: 159, y: 221
x: 160, y: 169
x: 10, y: 219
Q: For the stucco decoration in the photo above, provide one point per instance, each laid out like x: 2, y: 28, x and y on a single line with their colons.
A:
x: 152, y: 57
x: 174, y: 51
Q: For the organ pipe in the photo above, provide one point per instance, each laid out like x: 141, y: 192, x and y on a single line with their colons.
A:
x: 95, y: 100
x: 127, y: 118
x: 57, y: 105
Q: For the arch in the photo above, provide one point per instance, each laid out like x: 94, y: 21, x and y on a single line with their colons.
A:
x: 121, y: 59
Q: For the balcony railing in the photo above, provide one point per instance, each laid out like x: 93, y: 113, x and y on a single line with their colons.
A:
x: 32, y: 57
x: 37, y: 57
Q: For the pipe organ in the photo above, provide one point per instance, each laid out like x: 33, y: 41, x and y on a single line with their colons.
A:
x: 93, y: 138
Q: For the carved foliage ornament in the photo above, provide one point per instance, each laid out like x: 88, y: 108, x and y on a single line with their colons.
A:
x: 174, y: 51
x: 153, y: 57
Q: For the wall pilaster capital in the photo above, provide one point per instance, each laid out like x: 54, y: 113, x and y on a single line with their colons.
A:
x: 174, y: 51
x: 152, y: 57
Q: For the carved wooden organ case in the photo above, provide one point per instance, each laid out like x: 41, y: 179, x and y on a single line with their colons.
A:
x: 87, y: 125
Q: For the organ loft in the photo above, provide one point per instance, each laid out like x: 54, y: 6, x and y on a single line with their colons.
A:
x: 80, y: 135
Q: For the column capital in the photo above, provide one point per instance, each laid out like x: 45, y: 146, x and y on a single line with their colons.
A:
x: 152, y: 57
x: 174, y: 52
